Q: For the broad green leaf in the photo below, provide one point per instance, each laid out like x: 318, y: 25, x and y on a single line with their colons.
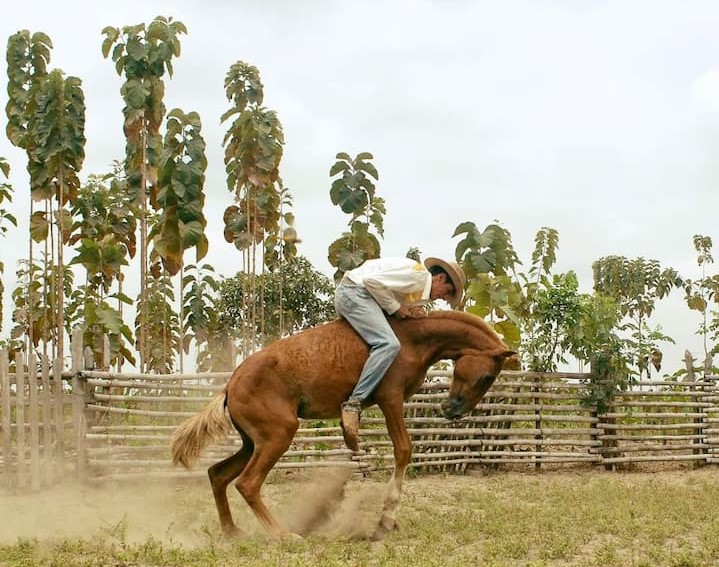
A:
x: 465, y: 227
x: 697, y: 303
x: 39, y: 226
x: 368, y: 168
x: 135, y: 48
x: 111, y: 34
x: 509, y: 332
x: 339, y: 166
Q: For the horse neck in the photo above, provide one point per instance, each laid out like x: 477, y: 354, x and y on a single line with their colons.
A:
x: 436, y: 338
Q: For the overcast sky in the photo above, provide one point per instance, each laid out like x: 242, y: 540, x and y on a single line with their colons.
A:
x: 597, y: 118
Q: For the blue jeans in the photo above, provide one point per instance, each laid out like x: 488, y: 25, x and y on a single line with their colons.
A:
x: 355, y: 304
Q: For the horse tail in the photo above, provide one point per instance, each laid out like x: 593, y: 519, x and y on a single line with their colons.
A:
x: 193, y: 434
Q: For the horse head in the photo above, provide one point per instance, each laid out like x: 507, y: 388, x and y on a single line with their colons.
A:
x: 474, y: 373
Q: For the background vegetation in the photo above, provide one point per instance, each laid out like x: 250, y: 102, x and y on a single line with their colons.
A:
x: 147, y: 217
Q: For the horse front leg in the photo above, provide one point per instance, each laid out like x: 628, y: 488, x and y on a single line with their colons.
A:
x: 394, y: 418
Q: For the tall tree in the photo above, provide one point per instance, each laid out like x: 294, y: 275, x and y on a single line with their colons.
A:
x: 354, y: 192
x: 34, y: 309
x: 253, y: 151
x: 28, y: 56
x: 554, y: 311
x: 163, y: 325
x: 143, y: 54
x: 636, y: 285
x: 295, y: 292
x: 551, y: 306
x: 59, y: 131
x: 490, y: 262
x: 701, y: 293
x: 596, y: 340
x: 46, y: 117
x: 180, y: 199
x: 199, y: 313
x: 104, y: 226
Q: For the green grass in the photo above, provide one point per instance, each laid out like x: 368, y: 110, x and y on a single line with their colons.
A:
x: 562, y: 519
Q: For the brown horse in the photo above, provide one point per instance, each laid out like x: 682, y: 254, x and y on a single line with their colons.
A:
x: 309, y: 375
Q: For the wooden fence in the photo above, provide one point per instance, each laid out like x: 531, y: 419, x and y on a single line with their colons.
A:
x: 99, y: 425
x: 34, y: 423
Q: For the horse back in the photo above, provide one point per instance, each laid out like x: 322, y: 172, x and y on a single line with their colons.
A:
x: 313, y: 370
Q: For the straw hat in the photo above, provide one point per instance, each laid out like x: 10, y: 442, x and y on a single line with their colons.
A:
x: 455, y: 273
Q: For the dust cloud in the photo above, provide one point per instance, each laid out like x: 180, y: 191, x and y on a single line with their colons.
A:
x: 328, y: 505
x: 183, y: 512
x: 127, y: 512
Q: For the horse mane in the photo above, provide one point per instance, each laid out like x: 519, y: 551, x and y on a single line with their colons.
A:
x: 467, y: 318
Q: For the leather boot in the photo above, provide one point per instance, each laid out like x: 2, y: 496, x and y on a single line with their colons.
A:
x: 350, y: 424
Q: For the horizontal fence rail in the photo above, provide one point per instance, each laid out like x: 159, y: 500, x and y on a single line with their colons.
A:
x: 527, y: 419
x: 102, y: 425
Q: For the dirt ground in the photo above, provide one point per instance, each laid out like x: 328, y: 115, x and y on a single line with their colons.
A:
x: 183, y: 512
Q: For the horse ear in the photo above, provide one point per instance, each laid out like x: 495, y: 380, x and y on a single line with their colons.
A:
x: 509, y: 359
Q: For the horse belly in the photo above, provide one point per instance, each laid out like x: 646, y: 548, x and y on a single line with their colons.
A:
x: 316, y: 370
x: 322, y: 396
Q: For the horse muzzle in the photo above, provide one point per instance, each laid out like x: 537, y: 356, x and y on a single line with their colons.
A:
x: 453, y: 408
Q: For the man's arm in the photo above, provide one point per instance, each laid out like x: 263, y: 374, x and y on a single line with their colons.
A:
x: 382, y: 295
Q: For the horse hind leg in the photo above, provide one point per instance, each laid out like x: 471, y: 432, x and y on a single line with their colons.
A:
x: 223, y: 473
x: 250, y: 481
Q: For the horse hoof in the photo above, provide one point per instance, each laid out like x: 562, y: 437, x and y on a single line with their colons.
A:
x: 232, y: 532
x: 381, y: 532
x: 291, y: 536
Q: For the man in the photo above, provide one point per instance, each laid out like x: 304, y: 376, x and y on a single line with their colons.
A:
x: 400, y: 288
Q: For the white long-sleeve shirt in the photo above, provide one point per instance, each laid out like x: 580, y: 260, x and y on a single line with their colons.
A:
x: 394, y: 282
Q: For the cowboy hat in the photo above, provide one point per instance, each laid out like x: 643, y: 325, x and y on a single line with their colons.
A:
x: 456, y: 275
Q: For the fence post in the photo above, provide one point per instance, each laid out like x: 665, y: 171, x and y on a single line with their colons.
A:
x: 699, y: 443
x: 5, y: 395
x: 689, y: 364
x: 79, y: 420
x: 596, y: 446
x: 105, y: 352
x: 536, y: 400
x: 89, y: 363
x: 59, y: 415
x: 706, y: 386
x: 603, y: 420
x: 34, y: 427
x: 20, y: 418
x: 47, y: 463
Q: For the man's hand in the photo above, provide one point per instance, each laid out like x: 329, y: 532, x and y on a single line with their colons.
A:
x: 409, y: 313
